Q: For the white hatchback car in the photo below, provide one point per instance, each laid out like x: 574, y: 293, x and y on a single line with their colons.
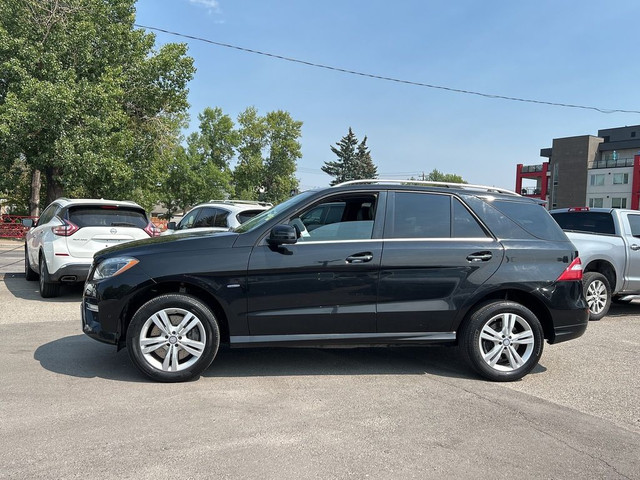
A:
x: 217, y: 216
x: 60, y: 246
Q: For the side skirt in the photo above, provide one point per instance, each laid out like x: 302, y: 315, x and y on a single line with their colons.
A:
x: 346, y: 339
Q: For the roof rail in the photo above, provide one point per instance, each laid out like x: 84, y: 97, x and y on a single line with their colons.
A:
x: 466, y: 186
x: 243, y: 202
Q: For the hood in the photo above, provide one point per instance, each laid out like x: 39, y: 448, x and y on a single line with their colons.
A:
x: 171, y: 243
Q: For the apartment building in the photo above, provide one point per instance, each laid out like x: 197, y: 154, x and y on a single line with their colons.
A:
x: 587, y: 170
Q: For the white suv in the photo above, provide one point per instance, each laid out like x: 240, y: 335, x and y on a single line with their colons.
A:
x: 60, y: 246
x: 217, y: 216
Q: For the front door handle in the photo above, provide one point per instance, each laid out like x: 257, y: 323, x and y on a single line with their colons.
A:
x: 634, y: 247
x: 480, y: 257
x: 360, y: 257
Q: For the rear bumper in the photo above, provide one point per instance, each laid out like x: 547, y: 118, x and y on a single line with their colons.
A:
x: 72, y: 272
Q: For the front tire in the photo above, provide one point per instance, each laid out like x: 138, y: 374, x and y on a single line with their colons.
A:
x: 173, y: 338
x: 597, y: 291
x: 48, y: 289
x: 502, y: 340
x: 29, y: 273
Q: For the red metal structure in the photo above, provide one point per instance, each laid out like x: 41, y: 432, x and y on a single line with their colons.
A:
x: 11, y: 226
x: 539, y: 173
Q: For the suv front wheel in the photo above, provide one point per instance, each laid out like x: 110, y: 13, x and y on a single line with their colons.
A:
x: 502, y: 340
x: 173, y: 338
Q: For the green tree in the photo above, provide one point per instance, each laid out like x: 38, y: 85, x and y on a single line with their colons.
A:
x: 438, y: 176
x: 86, y: 100
x: 354, y: 160
x: 267, y: 155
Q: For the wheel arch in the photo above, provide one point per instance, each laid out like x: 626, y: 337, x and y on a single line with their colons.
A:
x: 526, y: 299
x: 153, y: 291
x: 605, y: 268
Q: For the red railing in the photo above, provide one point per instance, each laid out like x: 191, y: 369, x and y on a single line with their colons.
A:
x: 11, y: 226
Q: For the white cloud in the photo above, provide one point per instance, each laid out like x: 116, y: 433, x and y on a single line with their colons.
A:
x: 212, y: 5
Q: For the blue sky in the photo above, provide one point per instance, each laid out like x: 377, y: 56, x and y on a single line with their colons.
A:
x: 575, y: 52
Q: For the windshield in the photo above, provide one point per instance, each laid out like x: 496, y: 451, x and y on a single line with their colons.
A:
x: 267, y: 215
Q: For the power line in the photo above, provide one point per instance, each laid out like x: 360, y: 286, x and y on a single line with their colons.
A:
x: 389, y: 79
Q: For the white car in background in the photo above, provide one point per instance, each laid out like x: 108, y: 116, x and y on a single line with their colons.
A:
x: 59, y: 247
x: 217, y: 216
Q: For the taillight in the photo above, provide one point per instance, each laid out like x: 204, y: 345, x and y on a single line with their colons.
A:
x: 152, y: 230
x: 572, y: 272
x: 66, y: 229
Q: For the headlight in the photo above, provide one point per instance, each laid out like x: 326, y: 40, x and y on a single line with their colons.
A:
x: 113, y: 266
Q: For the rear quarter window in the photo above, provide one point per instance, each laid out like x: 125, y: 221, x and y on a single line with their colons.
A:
x: 107, y: 216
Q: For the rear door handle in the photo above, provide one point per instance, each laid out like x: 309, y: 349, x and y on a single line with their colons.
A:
x: 634, y: 247
x: 360, y: 257
x: 480, y: 257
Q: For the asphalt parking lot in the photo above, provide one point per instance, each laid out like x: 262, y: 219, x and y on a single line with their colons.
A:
x: 71, y: 407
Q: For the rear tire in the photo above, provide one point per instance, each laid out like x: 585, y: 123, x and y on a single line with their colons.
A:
x: 29, y: 274
x: 597, y: 291
x: 501, y: 340
x: 48, y: 289
x: 173, y: 338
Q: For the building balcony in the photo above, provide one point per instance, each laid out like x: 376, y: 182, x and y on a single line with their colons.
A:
x: 611, y: 163
x: 530, y: 192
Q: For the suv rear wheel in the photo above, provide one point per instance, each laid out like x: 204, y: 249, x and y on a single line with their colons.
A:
x: 173, y: 338
x: 502, y: 340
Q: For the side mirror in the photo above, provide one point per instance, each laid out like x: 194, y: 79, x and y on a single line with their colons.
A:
x: 28, y: 222
x: 282, y: 235
x: 171, y: 226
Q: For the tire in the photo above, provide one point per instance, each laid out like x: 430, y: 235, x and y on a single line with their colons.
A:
x: 502, y: 340
x: 29, y: 274
x: 597, y: 291
x: 48, y: 289
x: 161, y: 350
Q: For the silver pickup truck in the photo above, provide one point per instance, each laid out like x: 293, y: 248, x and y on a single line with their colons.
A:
x: 608, y: 242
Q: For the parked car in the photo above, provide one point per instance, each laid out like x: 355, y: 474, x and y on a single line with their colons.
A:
x: 608, y: 240
x: 59, y: 247
x: 405, y: 264
x: 217, y: 216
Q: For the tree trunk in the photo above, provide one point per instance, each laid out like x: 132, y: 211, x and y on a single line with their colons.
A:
x: 34, y: 201
x: 54, y: 189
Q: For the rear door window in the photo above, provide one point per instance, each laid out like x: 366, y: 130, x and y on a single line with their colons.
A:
x: 107, y: 216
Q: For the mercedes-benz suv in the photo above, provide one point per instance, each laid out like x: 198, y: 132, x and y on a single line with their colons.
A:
x: 393, y: 264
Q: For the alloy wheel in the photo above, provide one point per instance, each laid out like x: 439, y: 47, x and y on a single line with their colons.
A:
x: 506, y: 342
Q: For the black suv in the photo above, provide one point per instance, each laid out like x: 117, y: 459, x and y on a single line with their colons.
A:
x: 400, y: 263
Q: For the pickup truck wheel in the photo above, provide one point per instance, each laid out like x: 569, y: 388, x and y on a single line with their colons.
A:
x: 597, y: 291
x: 173, y: 338
x: 502, y: 340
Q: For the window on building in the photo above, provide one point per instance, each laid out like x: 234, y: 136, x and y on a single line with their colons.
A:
x: 620, y: 178
x: 595, y: 202
x: 619, y: 202
x: 633, y: 134
x: 597, y: 180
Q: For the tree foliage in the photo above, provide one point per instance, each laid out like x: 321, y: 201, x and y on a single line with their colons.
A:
x: 86, y: 100
x: 267, y: 155
x: 437, y: 176
x: 354, y: 160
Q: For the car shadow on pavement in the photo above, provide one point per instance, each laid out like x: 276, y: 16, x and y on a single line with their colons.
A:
x: 25, y: 290
x: 623, y: 309
x: 80, y: 356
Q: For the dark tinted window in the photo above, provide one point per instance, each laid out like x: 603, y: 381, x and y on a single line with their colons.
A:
x: 48, y: 213
x: 532, y: 217
x: 107, y: 216
x: 420, y: 215
x: 592, y: 222
x: 634, y: 222
x: 464, y: 223
x: 247, y: 214
x: 211, y: 217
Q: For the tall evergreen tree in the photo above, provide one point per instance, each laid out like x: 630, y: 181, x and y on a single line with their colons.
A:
x: 354, y: 160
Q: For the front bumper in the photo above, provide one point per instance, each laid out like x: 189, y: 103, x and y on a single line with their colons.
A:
x: 91, y: 324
